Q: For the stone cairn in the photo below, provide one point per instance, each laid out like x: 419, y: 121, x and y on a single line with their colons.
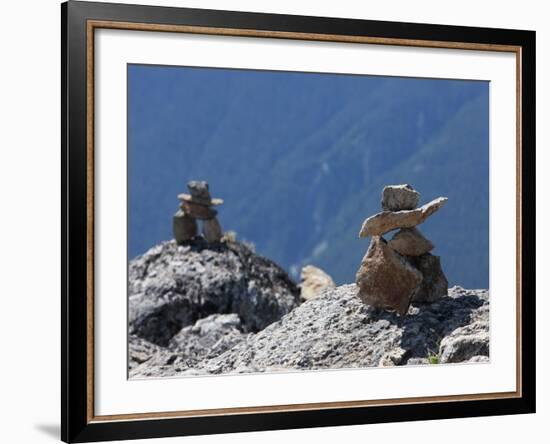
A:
x: 197, y: 205
x: 393, y: 274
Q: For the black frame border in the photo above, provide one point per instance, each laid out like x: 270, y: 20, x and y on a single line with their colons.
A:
x: 75, y: 424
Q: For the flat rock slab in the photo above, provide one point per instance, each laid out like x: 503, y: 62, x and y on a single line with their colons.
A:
x: 208, y: 337
x: 386, y: 221
x: 399, y: 197
x: 198, y: 211
x: 385, y: 279
x: 410, y: 242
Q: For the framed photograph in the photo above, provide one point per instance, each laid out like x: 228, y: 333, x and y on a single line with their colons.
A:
x: 275, y: 221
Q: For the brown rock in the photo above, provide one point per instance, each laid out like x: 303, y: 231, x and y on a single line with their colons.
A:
x: 399, y: 197
x: 385, y: 279
x: 184, y: 227
x: 388, y: 220
x: 198, y: 211
x: 314, y: 281
x: 434, y: 283
x: 410, y: 242
x: 212, y: 230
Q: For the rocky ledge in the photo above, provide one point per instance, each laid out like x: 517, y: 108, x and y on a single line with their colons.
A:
x: 172, y: 288
x: 333, y: 330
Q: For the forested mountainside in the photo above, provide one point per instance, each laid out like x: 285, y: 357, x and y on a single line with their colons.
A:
x: 301, y: 159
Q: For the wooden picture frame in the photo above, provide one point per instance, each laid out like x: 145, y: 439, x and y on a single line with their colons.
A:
x: 79, y: 22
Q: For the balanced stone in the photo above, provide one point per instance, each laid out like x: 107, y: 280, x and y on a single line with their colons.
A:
x: 390, y: 220
x: 410, y: 242
x: 434, y: 284
x: 198, y: 211
x: 399, y: 197
x: 184, y: 227
x: 197, y: 205
x: 212, y: 230
x: 199, y: 193
x: 314, y: 281
x: 386, y: 279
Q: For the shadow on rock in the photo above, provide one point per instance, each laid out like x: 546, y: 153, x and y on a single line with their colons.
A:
x: 172, y: 286
x: 425, y: 325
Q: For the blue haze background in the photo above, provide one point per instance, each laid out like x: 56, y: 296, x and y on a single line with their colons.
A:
x: 300, y: 160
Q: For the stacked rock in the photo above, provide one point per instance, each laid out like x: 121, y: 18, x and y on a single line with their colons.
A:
x: 393, y: 274
x: 197, y: 205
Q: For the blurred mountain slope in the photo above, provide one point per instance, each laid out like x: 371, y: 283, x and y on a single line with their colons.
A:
x: 301, y: 159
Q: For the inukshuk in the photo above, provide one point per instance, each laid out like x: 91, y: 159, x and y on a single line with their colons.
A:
x: 393, y: 274
x: 197, y: 205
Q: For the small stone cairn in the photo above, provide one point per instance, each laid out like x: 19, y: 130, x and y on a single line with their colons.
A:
x: 197, y: 205
x: 393, y: 274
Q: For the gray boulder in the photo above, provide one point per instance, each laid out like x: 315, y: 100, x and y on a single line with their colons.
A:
x: 171, y: 287
x: 385, y: 221
x: 140, y: 351
x: 203, y: 336
x: 207, y: 338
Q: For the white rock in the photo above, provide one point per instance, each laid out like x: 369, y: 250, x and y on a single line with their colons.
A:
x: 314, y: 281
